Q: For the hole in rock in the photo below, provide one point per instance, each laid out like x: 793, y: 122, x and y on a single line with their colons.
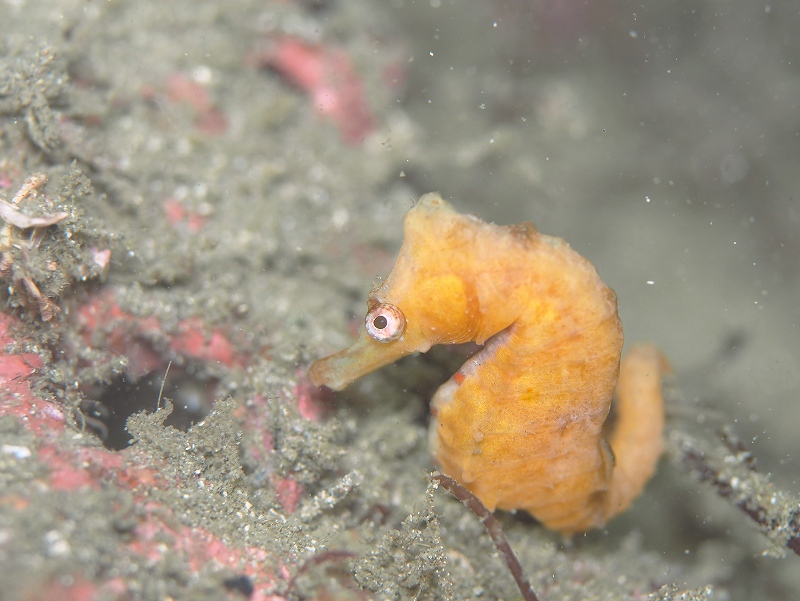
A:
x: 191, y: 398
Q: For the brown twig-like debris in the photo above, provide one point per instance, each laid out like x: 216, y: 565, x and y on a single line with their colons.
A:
x: 29, y: 187
x: 494, y: 528
x: 730, y: 469
x: 14, y: 222
x: 32, y: 294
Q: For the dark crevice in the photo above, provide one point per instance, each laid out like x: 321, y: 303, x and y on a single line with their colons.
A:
x: 108, y: 414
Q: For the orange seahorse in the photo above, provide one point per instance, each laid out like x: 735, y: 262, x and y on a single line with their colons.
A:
x: 521, y: 423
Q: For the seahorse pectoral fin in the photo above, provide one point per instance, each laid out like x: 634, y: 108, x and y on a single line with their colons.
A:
x: 364, y: 356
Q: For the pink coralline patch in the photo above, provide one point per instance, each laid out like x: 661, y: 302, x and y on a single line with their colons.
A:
x: 41, y: 417
x: 66, y: 473
x: 193, y: 340
x: 88, y: 467
x: 132, y: 477
x: 208, y: 118
x: 14, y: 368
x: 199, y: 547
x: 69, y: 469
x: 16, y: 398
x: 178, y: 215
x: 174, y: 211
x: 106, y: 325
x: 125, y: 468
x: 101, y: 257
x: 313, y: 402
x: 288, y: 492
x: 329, y: 78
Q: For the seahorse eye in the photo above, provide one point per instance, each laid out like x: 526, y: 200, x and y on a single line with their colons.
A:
x: 385, y: 322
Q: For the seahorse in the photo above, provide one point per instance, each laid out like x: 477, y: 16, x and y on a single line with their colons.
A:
x: 522, y: 424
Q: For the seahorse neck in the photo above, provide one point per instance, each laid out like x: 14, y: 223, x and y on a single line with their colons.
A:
x: 556, y: 296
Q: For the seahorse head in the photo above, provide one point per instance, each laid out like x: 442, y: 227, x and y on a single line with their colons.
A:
x: 429, y: 297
